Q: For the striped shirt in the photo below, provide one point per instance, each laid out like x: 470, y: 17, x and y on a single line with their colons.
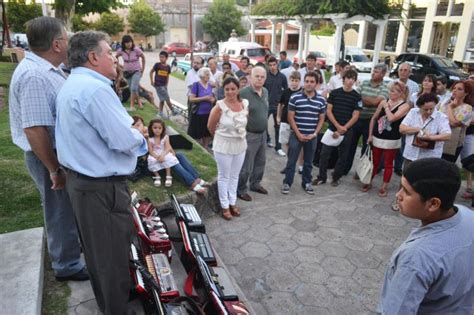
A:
x: 307, y: 111
x: 367, y: 90
x: 33, y: 89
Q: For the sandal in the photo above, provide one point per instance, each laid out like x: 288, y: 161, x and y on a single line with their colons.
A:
x: 383, y: 192
x: 204, y: 183
x: 226, y: 214
x: 168, y: 181
x: 157, y: 181
x: 199, y: 189
x: 234, y: 210
x: 366, y: 187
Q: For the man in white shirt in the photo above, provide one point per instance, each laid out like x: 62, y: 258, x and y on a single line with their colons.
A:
x: 404, y: 71
x: 336, y: 80
x: 192, y: 75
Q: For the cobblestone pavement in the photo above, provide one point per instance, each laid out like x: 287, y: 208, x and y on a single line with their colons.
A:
x: 303, y: 254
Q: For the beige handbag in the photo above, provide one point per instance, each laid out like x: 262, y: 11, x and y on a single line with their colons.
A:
x: 365, y: 166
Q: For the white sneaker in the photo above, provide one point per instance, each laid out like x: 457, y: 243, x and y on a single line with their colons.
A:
x: 281, y: 152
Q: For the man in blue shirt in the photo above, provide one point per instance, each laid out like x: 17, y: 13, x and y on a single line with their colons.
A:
x: 33, y: 89
x: 99, y: 148
x: 432, y: 271
x: 284, y: 61
x: 306, y: 111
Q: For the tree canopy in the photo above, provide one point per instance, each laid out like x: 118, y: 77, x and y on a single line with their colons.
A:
x: 221, y: 18
x: 65, y: 9
x: 111, y: 23
x: 18, y: 13
x: 374, y: 8
x: 143, y: 20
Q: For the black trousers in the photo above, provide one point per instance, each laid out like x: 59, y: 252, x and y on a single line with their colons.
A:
x: 343, y: 150
x: 102, y: 210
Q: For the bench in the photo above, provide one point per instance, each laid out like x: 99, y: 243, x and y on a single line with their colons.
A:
x: 181, y: 109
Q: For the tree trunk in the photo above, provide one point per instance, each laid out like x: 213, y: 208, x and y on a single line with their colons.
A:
x: 65, y: 11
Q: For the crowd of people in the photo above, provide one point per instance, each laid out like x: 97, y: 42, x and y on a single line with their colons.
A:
x: 81, y: 145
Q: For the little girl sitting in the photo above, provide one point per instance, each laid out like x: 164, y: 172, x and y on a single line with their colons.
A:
x: 171, y: 160
x: 159, y: 149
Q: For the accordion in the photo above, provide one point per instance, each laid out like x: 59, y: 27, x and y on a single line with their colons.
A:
x: 159, y: 268
x: 188, y: 214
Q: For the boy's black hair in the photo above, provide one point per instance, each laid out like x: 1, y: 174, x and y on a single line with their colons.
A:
x: 343, y: 64
x: 311, y: 56
x: 227, y: 64
x: 426, y: 98
x: 283, y: 53
x: 434, y: 178
x: 150, y: 129
x: 272, y: 59
x: 443, y: 79
x: 245, y: 58
x: 164, y: 53
x: 350, y: 74
x: 315, y: 74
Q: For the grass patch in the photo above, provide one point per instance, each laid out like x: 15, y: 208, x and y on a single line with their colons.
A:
x: 6, y: 71
x: 178, y: 75
x: 55, y: 293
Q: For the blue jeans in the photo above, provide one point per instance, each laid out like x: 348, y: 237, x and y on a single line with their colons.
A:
x: 273, y: 111
x: 294, y: 149
x: 399, y: 158
x: 59, y: 221
x: 185, y: 170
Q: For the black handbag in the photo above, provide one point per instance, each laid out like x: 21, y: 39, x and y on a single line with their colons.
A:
x: 128, y: 74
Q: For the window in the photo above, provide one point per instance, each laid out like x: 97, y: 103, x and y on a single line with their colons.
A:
x: 425, y: 62
x: 442, y: 7
x: 458, y: 8
x: 371, y: 33
x: 414, y: 36
x: 391, y: 35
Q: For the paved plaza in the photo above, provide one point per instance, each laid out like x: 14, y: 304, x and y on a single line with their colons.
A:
x: 297, y: 253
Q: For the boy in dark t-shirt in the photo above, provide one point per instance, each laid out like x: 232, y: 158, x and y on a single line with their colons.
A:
x: 282, y: 115
x: 159, y: 77
x: 343, y: 110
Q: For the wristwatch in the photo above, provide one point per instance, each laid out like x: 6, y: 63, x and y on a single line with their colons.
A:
x: 55, y: 172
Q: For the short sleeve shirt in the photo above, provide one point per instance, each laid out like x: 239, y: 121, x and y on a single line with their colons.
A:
x: 307, y: 111
x: 285, y: 99
x: 199, y: 91
x: 343, y: 105
x: 366, y: 89
x: 439, y: 125
x: 131, y: 61
x: 162, y: 72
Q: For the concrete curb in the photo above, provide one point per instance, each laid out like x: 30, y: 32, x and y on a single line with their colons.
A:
x: 21, y: 272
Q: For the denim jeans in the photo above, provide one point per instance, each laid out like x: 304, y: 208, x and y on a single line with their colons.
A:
x: 294, y: 149
x: 59, y: 221
x: 399, y: 158
x: 185, y: 170
x: 360, y: 129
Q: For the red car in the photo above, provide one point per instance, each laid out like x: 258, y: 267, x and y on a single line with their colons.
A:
x: 178, y: 48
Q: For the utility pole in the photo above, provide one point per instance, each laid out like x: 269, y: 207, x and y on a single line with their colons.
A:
x: 191, y: 29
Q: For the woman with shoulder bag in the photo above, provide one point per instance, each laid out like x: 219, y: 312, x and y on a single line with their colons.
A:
x: 132, y: 69
x: 227, y: 123
x: 202, y: 99
x: 384, y: 132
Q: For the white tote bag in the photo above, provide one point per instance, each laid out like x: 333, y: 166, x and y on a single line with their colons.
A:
x: 365, y: 167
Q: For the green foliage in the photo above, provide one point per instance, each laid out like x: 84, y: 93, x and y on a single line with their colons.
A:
x: 110, y: 23
x: 242, y: 3
x: 78, y: 24
x: 18, y: 13
x: 374, y: 8
x: 221, y: 18
x: 326, y: 30
x: 143, y: 20
x: 83, y: 7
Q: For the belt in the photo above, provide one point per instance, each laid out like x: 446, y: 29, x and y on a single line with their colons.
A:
x: 116, y: 178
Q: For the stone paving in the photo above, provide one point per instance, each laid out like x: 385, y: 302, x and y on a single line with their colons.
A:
x: 302, y: 254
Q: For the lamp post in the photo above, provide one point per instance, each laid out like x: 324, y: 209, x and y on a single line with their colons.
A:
x: 191, y: 28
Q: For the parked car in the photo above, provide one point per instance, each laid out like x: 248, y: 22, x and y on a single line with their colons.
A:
x: 320, y: 56
x: 185, y: 64
x: 178, y: 48
x: 357, y: 58
x: 237, y: 50
x: 423, y: 64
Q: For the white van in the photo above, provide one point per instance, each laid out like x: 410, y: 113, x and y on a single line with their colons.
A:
x: 236, y: 50
x: 356, y: 57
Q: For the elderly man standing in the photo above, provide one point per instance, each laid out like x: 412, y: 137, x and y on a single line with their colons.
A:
x: 99, y: 148
x: 191, y: 75
x: 404, y: 71
x: 34, y: 86
x: 226, y: 58
x: 254, y: 163
x: 373, y: 92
